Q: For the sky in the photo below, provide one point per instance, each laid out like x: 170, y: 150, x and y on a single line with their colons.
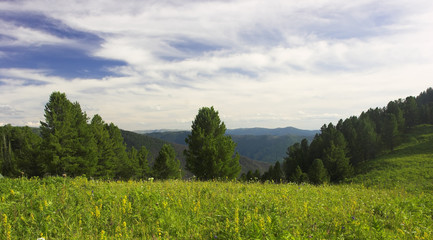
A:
x: 153, y: 64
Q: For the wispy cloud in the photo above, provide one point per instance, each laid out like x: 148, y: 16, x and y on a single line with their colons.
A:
x: 152, y: 64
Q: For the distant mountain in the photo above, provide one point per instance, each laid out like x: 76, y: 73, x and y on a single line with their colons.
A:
x: 273, y: 132
x: 154, y: 145
x: 265, y: 148
x: 261, y: 144
x: 173, y: 137
x: 157, y: 131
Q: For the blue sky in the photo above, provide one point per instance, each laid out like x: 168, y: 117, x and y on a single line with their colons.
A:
x: 153, y: 64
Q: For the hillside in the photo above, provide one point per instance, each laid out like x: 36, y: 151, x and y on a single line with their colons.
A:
x: 261, y: 144
x: 154, y: 145
x: 409, y: 166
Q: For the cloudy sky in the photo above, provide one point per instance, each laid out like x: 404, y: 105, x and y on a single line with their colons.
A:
x: 152, y: 64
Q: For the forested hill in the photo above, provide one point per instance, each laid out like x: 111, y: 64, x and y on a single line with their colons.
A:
x: 340, y: 150
x: 153, y: 144
x: 261, y: 144
x: 408, y: 167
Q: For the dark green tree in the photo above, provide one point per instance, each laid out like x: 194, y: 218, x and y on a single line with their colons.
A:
x: 367, y: 140
x: 298, y: 176
x: 68, y: 145
x: 104, y: 145
x: 267, y: 176
x: 318, y: 173
x: 394, y: 108
x: 249, y: 176
x: 132, y: 164
x: 256, y: 175
x: 210, y: 153
x: 390, y: 132
x: 277, y: 173
x: 7, y: 160
x: 335, y: 151
x: 166, y: 165
x: 143, y: 163
x: 124, y: 168
x: 411, y: 112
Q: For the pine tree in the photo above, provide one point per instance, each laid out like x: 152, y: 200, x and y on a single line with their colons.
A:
x: 123, y: 167
x: 277, y: 174
x: 143, y: 163
x: 166, y: 165
x: 210, y: 153
x: 68, y: 145
x: 104, y: 146
x: 318, y: 173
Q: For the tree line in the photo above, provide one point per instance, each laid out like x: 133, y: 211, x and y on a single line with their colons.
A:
x: 337, y: 150
x: 68, y: 143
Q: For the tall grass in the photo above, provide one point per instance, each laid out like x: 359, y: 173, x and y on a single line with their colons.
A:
x: 64, y: 208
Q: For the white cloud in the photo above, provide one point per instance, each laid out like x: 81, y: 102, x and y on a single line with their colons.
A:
x: 23, y: 36
x: 260, y: 63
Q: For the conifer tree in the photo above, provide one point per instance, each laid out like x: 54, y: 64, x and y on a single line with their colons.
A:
x: 123, y: 166
x: 166, y: 165
x: 143, y: 163
x: 68, y: 145
x: 210, y: 153
x: 318, y: 173
x: 104, y: 146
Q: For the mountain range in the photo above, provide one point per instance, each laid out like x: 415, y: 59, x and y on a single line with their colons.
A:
x: 136, y: 140
x: 260, y: 144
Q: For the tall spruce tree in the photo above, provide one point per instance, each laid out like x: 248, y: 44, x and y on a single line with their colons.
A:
x: 210, y: 153
x: 123, y: 166
x: 67, y: 141
x: 105, y: 152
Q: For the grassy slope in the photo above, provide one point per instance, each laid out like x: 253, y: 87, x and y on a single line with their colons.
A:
x: 409, y: 166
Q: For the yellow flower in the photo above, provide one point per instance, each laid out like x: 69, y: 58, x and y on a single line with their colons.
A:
x: 97, y: 212
x: 103, y: 237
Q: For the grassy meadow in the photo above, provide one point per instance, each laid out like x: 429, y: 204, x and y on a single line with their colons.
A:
x: 391, y: 198
x: 64, y: 208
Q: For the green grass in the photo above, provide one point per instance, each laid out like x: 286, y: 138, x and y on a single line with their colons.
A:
x: 409, y: 166
x: 390, y: 199
x: 58, y: 208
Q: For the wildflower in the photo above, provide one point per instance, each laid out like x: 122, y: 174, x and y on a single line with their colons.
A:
x: 353, y: 217
x: 103, y: 237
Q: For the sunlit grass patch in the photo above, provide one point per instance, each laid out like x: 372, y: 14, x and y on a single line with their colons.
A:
x: 59, y: 208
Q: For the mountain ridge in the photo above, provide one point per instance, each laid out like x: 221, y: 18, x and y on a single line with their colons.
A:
x: 257, y: 131
x: 260, y: 144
